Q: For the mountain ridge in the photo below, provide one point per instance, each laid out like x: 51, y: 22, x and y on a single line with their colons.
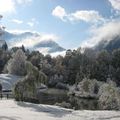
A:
x: 47, y: 45
x: 108, y: 45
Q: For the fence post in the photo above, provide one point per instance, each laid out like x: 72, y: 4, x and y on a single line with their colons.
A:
x: 1, y: 95
x: 7, y: 96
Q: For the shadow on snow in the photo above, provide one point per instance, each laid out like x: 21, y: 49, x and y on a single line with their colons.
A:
x: 52, y: 111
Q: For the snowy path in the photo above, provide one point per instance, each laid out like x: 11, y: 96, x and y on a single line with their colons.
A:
x: 11, y: 110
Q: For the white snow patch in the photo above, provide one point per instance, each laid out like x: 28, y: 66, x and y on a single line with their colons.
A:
x: 8, y: 80
x: 12, y: 110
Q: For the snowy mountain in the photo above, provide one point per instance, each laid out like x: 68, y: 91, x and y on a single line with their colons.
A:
x: 50, y: 44
x: 12, y: 36
x: 109, y: 45
x: 33, y: 41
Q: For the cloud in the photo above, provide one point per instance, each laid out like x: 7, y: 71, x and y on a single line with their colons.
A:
x: 18, y: 31
x: 44, y: 50
x: 87, y: 16
x: 59, y: 12
x: 31, y: 24
x: 49, y: 37
x: 7, y: 6
x: 115, y: 4
x: 23, y: 1
x: 107, y: 31
x: 80, y: 15
x: 17, y: 21
x: 58, y: 53
x: 30, y: 42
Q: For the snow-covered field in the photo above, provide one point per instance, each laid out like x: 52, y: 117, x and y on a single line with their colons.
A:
x: 8, y: 80
x: 11, y: 110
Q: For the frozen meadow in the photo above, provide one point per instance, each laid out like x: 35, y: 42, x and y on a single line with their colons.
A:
x: 12, y: 110
x: 8, y: 81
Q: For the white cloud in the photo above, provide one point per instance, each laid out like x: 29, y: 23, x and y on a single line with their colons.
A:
x: 107, y: 32
x: 31, y: 24
x: 35, y: 21
x: 87, y: 16
x: 115, y: 4
x: 7, y: 6
x: 17, y: 21
x: 30, y: 42
x: 44, y: 50
x: 49, y: 37
x: 80, y: 15
x: 23, y: 1
x: 58, y: 53
x: 18, y: 31
x: 59, y: 12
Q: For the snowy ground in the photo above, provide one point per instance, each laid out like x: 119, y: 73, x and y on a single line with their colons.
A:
x: 11, y: 110
x: 8, y: 80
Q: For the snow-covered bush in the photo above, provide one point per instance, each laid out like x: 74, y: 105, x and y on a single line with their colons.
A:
x: 17, y: 65
x: 109, y: 97
x: 19, y: 90
x: 85, y: 94
x: 88, y: 86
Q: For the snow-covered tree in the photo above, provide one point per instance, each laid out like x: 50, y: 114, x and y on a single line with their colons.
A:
x: 109, y: 97
x: 28, y: 87
x: 17, y: 65
x: 86, y: 88
x: 89, y: 86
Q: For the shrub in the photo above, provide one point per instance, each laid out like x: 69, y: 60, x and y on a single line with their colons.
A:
x: 109, y: 97
x: 89, y: 86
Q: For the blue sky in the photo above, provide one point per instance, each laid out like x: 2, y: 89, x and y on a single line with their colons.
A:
x: 73, y: 21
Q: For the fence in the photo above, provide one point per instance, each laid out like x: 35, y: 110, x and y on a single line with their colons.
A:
x: 6, y: 94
